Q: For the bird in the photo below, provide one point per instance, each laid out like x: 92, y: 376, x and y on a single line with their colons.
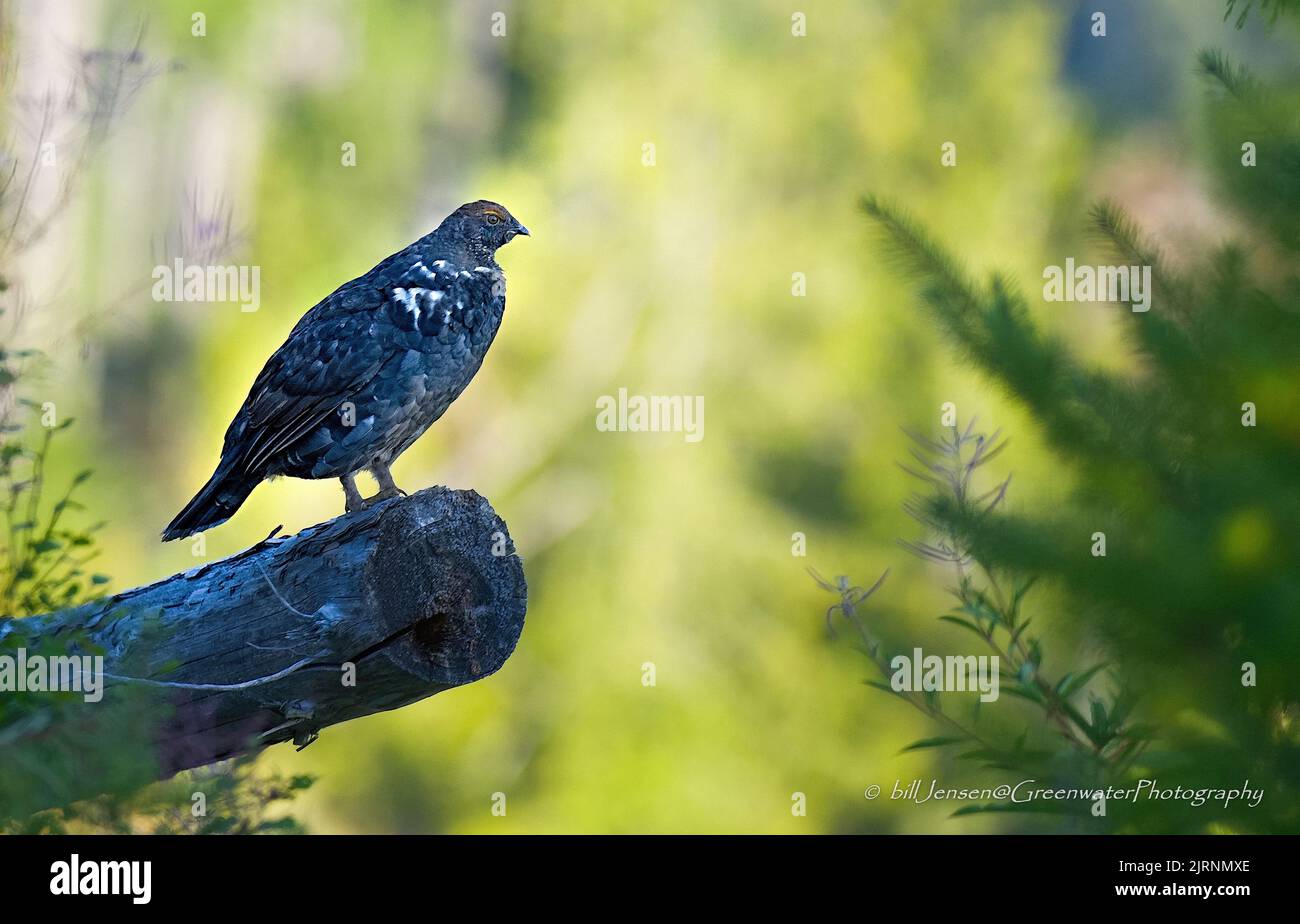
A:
x: 367, y: 370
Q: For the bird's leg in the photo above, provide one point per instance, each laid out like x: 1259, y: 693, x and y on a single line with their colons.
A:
x: 384, y: 478
x: 352, y: 497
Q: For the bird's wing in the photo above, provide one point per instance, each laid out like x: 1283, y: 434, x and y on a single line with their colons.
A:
x: 326, y: 360
x: 337, y: 350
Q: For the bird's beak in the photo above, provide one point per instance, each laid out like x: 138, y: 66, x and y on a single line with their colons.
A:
x: 520, y: 229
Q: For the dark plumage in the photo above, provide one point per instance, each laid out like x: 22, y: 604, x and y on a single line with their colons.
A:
x: 368, y: 369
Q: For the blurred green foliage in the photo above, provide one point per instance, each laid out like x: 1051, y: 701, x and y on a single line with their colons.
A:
x: 1084, y: 748
x: 1186, y: 464
x: 70, y: 763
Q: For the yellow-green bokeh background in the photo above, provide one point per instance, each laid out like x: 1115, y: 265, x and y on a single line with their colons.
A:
x: 666, y: 279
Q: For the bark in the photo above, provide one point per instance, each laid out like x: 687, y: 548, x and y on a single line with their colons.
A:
x: 417, y: 594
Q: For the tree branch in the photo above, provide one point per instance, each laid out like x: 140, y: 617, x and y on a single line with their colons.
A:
x: 412, y: 596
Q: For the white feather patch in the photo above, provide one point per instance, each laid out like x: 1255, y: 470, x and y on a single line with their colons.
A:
x: 410, y: 299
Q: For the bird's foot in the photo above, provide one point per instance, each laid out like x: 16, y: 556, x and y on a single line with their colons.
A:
x: 352, y: 505
x: 352, y: 499
x: 384, y: 478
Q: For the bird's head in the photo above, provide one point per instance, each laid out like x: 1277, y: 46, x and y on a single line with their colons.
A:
x: 479, y: 228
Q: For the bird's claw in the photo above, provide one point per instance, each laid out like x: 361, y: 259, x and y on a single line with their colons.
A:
x: 362, y: 503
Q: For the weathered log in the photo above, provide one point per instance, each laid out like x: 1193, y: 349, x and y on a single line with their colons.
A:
x: 417, y: 594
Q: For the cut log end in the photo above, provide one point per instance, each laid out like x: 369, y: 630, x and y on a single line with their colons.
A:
x: 445, y: 577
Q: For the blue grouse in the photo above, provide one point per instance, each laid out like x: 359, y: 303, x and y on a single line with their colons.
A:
x: 366, y: 371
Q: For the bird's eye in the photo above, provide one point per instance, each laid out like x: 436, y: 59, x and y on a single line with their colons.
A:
x: 493, y: 218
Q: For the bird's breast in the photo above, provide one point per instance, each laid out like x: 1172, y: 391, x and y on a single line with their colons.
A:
x: 457, y: 310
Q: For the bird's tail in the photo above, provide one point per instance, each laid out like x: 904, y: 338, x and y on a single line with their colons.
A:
x: 215, y: 503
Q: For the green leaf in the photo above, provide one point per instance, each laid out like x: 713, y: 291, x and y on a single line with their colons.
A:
x: 1032, y: 807
x: 1098, y: 714
x: 1018, y: 632
x: 1023, y: 589
x: 278, y: 824
x: 881, y: 686
x: 218, y: 825
x: 1025, y: 692
x: 1072, y: 683
x: 996, y: 760
x: 939, y: 742
x: 964, y: 623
